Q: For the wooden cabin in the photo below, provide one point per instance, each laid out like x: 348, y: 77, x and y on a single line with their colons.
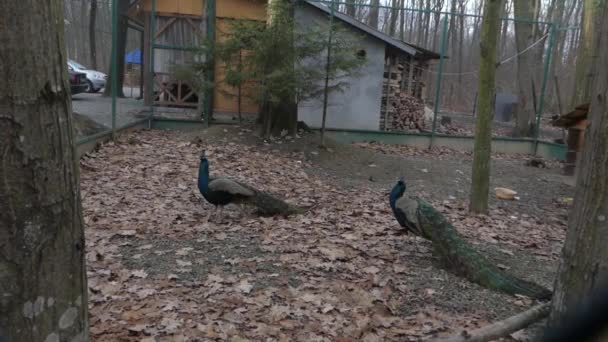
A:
x: 576, y: 123
x: 180, y: 26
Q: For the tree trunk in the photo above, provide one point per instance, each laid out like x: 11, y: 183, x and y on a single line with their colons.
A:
x: 374, y: 13
x: 584, y: 265
x: 123, y: 7
x: 42, y: 269
x: 350, y: 8
x: 480, y: 183
x: 526, y: 66
x: 402, y: 20
x: 392, y: 29
x: 92, y: 43
x: 588, y: 45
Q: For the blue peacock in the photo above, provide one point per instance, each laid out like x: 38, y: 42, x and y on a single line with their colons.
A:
x: 221, y: 191
x: 421, y: 219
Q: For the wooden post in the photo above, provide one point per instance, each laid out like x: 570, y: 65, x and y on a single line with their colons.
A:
x: 410, y: 77
x: 388, y: 91
x: 145, y: 66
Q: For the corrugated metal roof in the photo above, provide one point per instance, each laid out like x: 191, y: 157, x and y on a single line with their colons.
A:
x: 405, y: 47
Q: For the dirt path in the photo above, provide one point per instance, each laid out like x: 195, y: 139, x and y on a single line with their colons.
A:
x: 159, y: 271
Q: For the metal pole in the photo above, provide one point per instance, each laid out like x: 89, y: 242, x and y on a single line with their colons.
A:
x: 151, y: 77
x: 210, y: 10
x: 544, y: 86
x: 327, y: 69
x: 114, y: 64
x: 444, y: 40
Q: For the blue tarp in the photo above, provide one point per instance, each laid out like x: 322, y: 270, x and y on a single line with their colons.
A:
x: 133, y: 57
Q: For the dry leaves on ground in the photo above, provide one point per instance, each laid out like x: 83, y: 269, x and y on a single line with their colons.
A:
x: 158, y: 271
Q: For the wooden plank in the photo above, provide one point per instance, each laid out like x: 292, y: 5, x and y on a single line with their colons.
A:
x: 165, y: 27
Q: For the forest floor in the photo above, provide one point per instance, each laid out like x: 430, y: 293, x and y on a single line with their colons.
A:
x: 159, y: 271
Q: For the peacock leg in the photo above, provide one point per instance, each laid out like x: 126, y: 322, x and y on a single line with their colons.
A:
x: 416, y: 247
x: 221, y: 214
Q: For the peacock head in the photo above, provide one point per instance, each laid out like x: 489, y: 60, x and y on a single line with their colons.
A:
x: 203, y: 155
x: 400, y: 187
x: 401, y: 182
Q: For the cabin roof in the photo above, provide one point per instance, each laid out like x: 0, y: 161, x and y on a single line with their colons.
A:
x: 408, y: 48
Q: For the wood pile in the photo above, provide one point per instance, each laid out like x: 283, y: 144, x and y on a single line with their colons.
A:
x: 400, y: 110
x: 405, y: 113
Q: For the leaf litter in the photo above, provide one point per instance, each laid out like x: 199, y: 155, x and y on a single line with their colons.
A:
x: 342, y: 271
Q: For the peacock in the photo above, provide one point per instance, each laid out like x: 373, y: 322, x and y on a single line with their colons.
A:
x: 421, y: 219
x: 221, y: 191
x: 399, y: 207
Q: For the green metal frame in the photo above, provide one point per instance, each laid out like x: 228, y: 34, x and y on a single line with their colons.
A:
x: 444, y: 40
x: 210, y: 77
x: 114, y: 64
x: 210, y: 10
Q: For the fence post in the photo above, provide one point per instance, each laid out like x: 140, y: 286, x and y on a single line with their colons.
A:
x: 152, y: 37
x: 543, y: 88
x: 210, y: 76
x: 444, y: 40
x: 114, y: 64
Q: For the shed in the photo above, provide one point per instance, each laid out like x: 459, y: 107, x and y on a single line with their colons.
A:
x: 392, y: 67
x: 180, y: 27
x: 576, y: 123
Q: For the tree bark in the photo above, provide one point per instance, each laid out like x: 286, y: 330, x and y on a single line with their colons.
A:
x: 586, y: 56
x: 526, y: 66
x: 402, y: 20
x: 123, y: 7
x: 584, y: 265
x: 92, y: 43
x: 480, y: 185
x: 374, y: 13
x: 392, y: 28
x: 42, y: 268
x: 350, y: 8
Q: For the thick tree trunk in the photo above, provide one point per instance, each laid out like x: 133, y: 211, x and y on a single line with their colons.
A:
x: 123, y: 7
x: 92, y: 42
x: 42, y: 271
x: 588, y: 46
x: 526, y: 67
x: 584, y: 265
x: 480, y: 183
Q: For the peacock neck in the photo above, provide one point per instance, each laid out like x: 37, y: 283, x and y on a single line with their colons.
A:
x: 203, y: 175
x: 395, y: 194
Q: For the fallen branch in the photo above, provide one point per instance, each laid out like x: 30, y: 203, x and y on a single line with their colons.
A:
x: 502, y: 328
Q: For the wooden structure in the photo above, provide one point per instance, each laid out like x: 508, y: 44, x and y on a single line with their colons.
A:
x: 402, y: 105
x: 386, y: 92
x: 180, y: 27
x: 576, y: 123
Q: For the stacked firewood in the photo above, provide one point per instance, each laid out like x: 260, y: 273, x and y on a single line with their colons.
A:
x: 406, y: 113
x: 401, y: 111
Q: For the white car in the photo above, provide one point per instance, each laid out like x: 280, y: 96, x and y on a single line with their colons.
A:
x: 95, y: 79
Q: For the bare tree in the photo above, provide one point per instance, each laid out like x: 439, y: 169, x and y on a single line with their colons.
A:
x: 374, y: 13
x: 584, y: 265
x: 526, y: 65
x: 92, y: 40
x: 43, y: 276
x: 350, y: 8
x: 480, y: 183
